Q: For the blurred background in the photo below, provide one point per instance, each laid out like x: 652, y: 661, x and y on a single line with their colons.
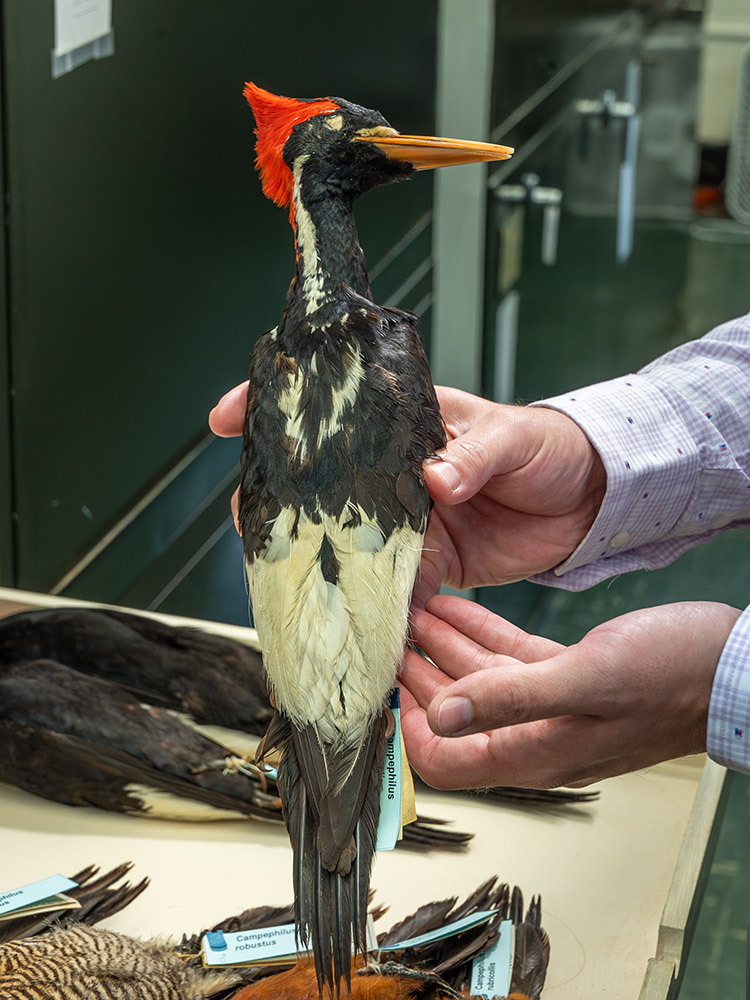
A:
x: 139, y: 262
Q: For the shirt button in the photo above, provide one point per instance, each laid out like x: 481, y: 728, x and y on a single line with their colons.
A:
x: 621, y: 538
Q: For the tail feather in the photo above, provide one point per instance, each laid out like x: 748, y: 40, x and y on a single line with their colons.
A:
x: 531, y: 956
x: 332, y: 823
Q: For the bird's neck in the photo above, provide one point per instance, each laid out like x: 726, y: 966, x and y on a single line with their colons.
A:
x: 329, y: 256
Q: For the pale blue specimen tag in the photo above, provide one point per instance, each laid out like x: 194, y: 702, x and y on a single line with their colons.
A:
x: 491, y: 971
x: 389, y: 825
x: 37, y: 894
x: 264, y: 944
x: 456, y: 927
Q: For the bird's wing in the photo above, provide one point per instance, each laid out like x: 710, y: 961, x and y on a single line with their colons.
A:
x: 532, y: 948
x: 73, y: 771
x: 126, y: 751
x: 214, y: 679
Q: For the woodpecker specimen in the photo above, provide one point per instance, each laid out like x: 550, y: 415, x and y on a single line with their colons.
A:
x: 81, y: 740
x: 341, y: 414
x: 131, y: 754
x: 60, y: 957
x: 213, y: 679
x: 437, y: 970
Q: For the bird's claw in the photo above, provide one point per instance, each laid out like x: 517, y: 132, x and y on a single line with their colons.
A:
x: 428, y: 979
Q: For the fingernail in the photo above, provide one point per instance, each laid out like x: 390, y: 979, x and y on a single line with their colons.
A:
x: 454, y: 715
x: 448, y: 473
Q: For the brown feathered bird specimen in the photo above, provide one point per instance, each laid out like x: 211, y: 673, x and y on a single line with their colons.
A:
x: 436, y: 970
x: 59, y: 957
x: 99, y: 897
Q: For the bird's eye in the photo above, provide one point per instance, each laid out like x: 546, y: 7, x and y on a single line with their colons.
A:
x: 335, y: 122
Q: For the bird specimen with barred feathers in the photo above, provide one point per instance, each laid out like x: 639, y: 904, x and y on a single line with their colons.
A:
x: 341, y: 414
x: 61, y: 957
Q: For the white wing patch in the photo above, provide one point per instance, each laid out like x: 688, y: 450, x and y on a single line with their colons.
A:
x: 343, y: 398
x: 158, y: 804
x: 332, y: 650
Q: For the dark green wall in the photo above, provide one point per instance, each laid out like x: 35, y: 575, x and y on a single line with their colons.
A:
x: 144, y: 260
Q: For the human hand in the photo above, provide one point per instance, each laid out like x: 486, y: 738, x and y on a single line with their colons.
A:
x: 531, y: 485
x: 516, y: 490
x: 502, y: 707
x: 227, y: 419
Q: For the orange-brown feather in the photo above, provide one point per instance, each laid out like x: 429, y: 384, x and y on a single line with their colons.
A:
x: 300, y: 983
x: 275, y: 117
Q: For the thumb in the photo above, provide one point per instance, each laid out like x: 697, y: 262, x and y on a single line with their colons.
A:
x: 460, y: 470
x: 512, y: 694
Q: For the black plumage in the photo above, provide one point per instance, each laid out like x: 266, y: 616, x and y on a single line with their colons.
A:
x: 213, y: 679
x: 341, y: 416
x: 80, y: 740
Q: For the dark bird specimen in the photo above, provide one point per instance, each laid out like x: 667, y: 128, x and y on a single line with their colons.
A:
x: 438, y: 970
x: 81, y: 740
x: 213, y: 679
x: 77, y: 739
x: 341, y: 414
x: 60, y: 957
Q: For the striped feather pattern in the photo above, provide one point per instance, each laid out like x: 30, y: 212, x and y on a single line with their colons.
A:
x: 82, y: 963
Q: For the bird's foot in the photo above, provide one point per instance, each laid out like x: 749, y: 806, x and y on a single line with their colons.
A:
x: 433, y: 985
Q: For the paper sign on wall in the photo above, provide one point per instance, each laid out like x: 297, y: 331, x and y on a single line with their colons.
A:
x: 83, y: 31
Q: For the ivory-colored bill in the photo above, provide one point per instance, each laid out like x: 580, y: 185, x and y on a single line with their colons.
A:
x: 426, y: 152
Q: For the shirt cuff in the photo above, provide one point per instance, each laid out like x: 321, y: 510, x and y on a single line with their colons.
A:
x: 728, y: 734
x: 651, y: 461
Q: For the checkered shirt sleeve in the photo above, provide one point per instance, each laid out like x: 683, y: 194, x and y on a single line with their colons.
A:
x: 675, y: 442
x: 728, y: 737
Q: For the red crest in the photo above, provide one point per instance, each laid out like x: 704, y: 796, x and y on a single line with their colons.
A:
x: 275, y: 118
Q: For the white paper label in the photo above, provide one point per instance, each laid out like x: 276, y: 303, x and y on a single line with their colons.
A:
x: 262, y: 944
x: 79, y: 22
